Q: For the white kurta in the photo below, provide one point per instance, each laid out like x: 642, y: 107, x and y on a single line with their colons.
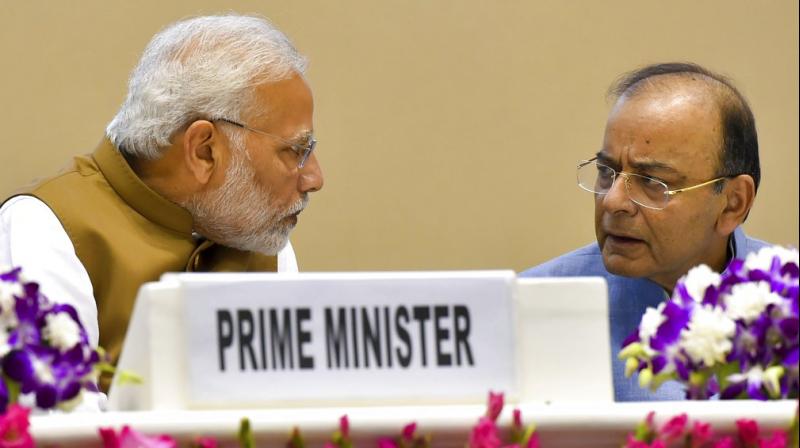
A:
x: 32, y: 237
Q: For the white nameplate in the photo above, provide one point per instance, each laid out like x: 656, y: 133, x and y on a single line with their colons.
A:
x: 317, y: 338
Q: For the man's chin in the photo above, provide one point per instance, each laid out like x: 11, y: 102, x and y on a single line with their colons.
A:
x: 268, y: 245
x: 625, y: 267
x: 274, y: 245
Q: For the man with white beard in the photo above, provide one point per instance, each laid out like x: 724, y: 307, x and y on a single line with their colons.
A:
x: 205, y: 167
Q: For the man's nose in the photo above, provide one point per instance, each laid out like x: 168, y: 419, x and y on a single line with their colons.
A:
x: 617, y: 199
x: 310, y: 176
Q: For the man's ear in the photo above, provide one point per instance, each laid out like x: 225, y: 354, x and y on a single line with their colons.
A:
x: 739, y: 192
x: 201, y: 152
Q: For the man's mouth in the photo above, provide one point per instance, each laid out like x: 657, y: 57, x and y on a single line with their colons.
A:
x: 292, y: 218
x: 620, y: 239
x: 295, y: 210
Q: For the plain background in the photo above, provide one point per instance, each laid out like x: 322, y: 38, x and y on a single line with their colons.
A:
x: 449, y: 129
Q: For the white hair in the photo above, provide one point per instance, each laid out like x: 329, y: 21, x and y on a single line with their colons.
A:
x: 204, y: 67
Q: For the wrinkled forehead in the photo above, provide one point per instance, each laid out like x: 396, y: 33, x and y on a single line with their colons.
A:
x: 676, y: 125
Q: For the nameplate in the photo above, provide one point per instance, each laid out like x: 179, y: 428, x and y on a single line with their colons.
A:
x: 348, y: 338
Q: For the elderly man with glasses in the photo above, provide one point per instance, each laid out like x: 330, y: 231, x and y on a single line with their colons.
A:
x: 205, y: 167
x: 675, y: 177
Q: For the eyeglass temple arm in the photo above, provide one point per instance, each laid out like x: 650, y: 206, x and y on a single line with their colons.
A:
x: 235, y: 123
x: 681, y: 190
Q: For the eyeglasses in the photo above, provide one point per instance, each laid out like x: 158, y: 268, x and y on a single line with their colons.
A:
x: 648, y: 192
x: 303, y: 152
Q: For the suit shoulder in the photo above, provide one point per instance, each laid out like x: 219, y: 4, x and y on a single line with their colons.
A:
x: 585, y: 261
x: 755, y: 244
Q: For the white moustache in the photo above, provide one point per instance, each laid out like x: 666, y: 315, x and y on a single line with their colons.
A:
x: 297, y: 207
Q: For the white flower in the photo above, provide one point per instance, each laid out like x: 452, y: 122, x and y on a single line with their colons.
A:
x: 7, y: 292
x: 4, y: 347
x: 650, y: 322
x: 708, y: 336
x: 43, y: 371
x: 763, y: 258
x: 748, y: 300
x: 698, y: 279
x: 8, y: 315
x: 61, y: 330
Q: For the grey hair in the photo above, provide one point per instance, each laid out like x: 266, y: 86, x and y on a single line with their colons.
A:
x: 203, y: 67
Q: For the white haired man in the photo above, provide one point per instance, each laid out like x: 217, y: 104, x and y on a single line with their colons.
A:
x: 205, y: 167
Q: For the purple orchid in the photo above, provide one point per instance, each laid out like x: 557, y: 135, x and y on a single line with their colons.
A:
x: 3, y: 395
x: 46, y: 349
x: 735, y: 334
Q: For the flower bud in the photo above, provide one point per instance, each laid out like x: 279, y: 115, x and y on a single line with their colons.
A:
x: 631, y: 365
x: 645, y: 376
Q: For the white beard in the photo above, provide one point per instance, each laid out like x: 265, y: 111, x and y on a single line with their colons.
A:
x: 241, y: 214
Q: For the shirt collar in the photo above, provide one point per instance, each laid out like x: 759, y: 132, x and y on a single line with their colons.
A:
x: 136, y: 194
x: 735, y: 240
x: 737, y: 244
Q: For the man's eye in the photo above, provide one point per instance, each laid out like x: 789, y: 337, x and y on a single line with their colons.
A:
x: 291, y: 148
x: 650, y: 180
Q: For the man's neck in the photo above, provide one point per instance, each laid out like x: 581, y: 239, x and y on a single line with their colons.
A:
x: 718, y: 260
x: 158, y: 174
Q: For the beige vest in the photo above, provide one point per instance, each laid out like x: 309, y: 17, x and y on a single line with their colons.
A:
x: 125, y: 234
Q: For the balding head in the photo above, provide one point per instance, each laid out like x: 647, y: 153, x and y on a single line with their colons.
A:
x: 738, y: 138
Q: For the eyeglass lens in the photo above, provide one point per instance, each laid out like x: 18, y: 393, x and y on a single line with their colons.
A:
x: 305, y: 152
x: 646, y: 191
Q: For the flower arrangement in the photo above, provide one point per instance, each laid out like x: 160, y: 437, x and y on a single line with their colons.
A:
x: 734, y: 334
x: 678, y: 432
x: 44, y: 349
x: 486, y: 433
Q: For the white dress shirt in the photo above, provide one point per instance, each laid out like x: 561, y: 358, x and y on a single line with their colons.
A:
x: 32, y: 237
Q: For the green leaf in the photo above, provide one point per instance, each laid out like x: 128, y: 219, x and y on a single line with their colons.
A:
x: 296, y: 439
x: 659, y: 379
x: 644, y: 433
x: 337, y: 438
x: 723, y: 371
x: 104, y: 367
x: 245, y: 436
x: 528, y: 434
x: 126, y: 377
x: 699, y: 378
x: 423, y: 442
x: 13, y: 389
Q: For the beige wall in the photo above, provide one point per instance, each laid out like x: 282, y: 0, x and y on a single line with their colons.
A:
x: 449, y: 129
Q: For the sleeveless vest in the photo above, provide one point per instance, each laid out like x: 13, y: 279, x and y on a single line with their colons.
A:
x: 125, y: 234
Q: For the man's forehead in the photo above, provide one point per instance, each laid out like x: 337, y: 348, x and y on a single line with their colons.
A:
x: 636, y: 160
x: 285, y: 107
x: 677, y: 121
x: 660, y: 147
